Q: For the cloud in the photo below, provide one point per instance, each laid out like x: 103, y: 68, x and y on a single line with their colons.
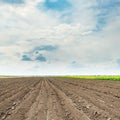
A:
x: 39, y: 37
x: 76, y: 65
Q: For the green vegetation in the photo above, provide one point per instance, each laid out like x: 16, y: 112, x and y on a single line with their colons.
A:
x: 95, y: 77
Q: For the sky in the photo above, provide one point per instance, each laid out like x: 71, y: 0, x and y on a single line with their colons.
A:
x: 59, y: 37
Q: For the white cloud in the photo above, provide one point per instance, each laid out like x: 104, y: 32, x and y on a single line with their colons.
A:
x: 22, y: 28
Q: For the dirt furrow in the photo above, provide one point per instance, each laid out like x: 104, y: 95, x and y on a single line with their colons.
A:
x: 54, y: 108
x: 12, y: 90
x: 90, y: 105
x: 38, y: 107
x: 72, y: 113
x: 36, y: 98
x: 22, y: 104
x: 10, y: 102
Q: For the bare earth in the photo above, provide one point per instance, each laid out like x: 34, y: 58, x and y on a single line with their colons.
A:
x: 59, y: 99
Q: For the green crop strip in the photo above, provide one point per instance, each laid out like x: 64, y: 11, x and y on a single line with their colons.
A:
x: 99, y: 77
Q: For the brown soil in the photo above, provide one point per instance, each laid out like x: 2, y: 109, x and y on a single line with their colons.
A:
x: 59, y: 99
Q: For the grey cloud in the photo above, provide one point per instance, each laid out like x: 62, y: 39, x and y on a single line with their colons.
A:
x: 1, y: 53
x: 76, y: 64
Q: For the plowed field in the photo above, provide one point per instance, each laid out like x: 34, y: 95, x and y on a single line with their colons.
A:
x: 59, y: 99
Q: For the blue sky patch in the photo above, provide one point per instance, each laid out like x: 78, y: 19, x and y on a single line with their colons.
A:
x: 41, y: 58
x: 26, y: 58
x: 35, y: 55
x: 46, y: 48
x: 13, y: 1
x: 56, y: 5
x: 105, y: 8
